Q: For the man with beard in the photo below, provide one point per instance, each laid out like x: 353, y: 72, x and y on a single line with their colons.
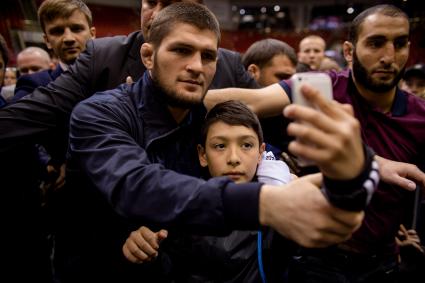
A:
x: 392, y: 123
x: 133, y: 161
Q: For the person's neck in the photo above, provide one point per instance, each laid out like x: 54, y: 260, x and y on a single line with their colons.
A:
x: 383, y: 101
x: 178, y: 113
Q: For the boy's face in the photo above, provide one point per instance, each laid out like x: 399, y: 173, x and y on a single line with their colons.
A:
x: 232, y: 151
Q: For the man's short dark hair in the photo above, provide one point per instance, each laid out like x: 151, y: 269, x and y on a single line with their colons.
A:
x: 262, y: 52
x: 182, y: 12
x: 384, y: 9
x: 53, y: 9
x: 233, y: 113
x: 4, y: 51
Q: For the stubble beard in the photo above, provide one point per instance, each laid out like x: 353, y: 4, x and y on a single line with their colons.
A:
x: 363, y: 77
x: 173, y: 98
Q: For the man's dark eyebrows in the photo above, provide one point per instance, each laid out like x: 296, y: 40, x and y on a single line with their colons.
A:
x: 403, y: 37
x: 179, y: 44
x: 376, y: 37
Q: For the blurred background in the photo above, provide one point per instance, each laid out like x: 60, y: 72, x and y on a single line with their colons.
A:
x: 242, y: 22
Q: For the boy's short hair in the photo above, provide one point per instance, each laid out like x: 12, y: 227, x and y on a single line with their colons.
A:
x: 233, y: 113
x: 53, y: 9
x: 182, y: 12
x: 262, y: 52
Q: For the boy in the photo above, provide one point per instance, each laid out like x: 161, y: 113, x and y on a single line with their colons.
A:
x: 231, y: 145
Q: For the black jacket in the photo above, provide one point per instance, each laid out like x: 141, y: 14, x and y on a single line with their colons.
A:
x: 43, y: 117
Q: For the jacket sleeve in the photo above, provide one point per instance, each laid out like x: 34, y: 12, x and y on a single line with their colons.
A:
x: 148, y: 192
x: 45, y: 112
x: 24, y: 86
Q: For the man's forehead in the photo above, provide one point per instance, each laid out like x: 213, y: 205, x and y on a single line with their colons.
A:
x: 378, y: 25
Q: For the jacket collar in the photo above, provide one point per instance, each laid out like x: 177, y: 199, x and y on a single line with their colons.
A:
x: 157, y: 119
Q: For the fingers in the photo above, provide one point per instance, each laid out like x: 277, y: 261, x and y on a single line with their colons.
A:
x: 403, y: 230
x: 161, y: 235
x: 60, y: 181
x: 416, y: 174
x: 142, y: 245
x: 403, y: 182
x: 133, y: 253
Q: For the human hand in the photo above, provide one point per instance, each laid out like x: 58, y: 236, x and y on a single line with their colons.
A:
x: 57, y: 178
x: 408, y: 238
x: 300, y: 212
x: 142, y: 245
x: 399, y: 173
x: 329, y: 135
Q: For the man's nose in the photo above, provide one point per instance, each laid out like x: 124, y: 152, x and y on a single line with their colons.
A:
x: 195, y: 63
x: 68, y: 36
x: 388, y: 56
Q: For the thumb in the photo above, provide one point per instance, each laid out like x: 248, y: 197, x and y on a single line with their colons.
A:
x: 315, y: 179
x: 162, y: 234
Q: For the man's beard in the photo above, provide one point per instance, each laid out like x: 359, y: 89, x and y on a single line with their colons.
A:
x: 363, y: 78
x: 173, y: 98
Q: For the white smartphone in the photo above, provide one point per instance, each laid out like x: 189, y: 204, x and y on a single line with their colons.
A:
x: 320, y: 81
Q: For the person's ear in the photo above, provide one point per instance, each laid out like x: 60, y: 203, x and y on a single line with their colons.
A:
x: 348, y: 49
x: 202, y: 156
x: 254, y: 71
x: 262, y: 149
x: 146, y: 53
x: 46, y: 40
x: 93, y: 32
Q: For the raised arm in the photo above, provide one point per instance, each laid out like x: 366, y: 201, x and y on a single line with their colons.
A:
x: 265, y: 102
x: 34, y: 118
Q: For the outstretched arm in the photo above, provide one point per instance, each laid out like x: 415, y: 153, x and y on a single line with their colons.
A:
x: 265, y: 102
x: 300, y: 212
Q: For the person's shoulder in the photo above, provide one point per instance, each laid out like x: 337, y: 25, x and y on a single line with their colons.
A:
x: 118, y: 39
x: 228, y: 54
x: 109, y: 103
x: 37, y: 78
x: 415, y: 101
x: 109, y: 96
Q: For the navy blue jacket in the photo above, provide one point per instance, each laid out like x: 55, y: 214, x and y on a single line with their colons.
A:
x: 43, y: 117
x: 139, y: 167
x: 26, y: 84
x: 133, y: 152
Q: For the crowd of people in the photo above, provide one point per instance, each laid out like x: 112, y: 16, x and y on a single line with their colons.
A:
x: 161, y: 157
